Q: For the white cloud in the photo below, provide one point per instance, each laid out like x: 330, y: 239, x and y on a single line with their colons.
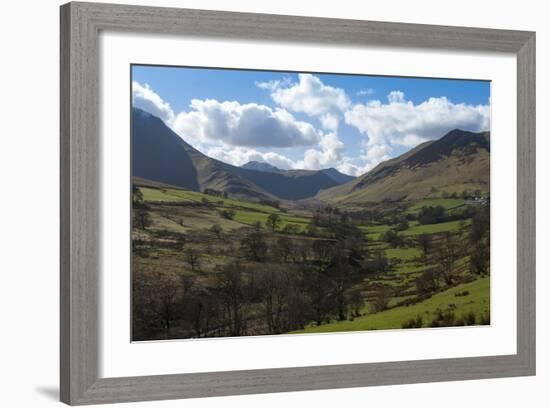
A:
x: 312, y: 97
x: 143, y: 97
x: 247, y: 125
x: 329, y: 154
x: 366, y: 92
x: 238, y: 156
x: 396, y: 97
x: 348, y: 167
x: 369, y: 157
x: 235, y: 133
x: 402, y: 123
x: 273, y: 84
x: 375, y: 153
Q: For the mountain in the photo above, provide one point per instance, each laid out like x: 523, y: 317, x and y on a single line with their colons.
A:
x: 261, y: 166
x: 160, y: 155
x: 334, y: 174
x: 340, y: 178
x: 457, y: 161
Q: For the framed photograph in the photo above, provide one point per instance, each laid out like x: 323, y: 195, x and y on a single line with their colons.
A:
x: 261, y: 203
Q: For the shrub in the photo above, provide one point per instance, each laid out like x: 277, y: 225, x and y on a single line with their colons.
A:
x: 470, y: 319
x: 428, y: 282
x: 217, y: 230
x: 443, y: 319
x: 431, y: 215
x: 381, y: 300
x: 413, y: 323
x: 393, y: 238
x: 485, y: 319
x: 227, y: 214
x: 293, y: 229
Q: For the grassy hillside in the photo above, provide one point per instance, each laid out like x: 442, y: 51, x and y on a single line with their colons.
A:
x: 245, y: 213
x: 455, y: 163
x: 461, y: 300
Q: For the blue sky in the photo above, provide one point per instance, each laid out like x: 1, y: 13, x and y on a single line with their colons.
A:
x: 291, y: 120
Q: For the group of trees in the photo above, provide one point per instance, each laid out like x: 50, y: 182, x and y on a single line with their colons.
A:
x: 276, y: 283
x: 464, y: 194
x: 480, y: 241
x: 446, y: 249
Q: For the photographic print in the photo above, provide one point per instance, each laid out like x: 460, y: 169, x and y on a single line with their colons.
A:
x: 270, y: 202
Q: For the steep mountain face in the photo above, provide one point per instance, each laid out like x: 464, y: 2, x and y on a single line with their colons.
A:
x: 161, y: 155
x: 457, y: 161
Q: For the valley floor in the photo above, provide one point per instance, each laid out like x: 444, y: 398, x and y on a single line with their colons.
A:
x: 207, y: 265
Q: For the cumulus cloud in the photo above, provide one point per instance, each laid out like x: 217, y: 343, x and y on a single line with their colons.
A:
x: 310, y: 96
x: 369, y: 156
x: 375, y: 153
x: 242, y: 155
x: 400, y: 122
x: 238, y: 133
x: 353, y: 169
x: 249, y: 125
x: 273, y: 84
x: 329, y: 154
x: 143, y: 97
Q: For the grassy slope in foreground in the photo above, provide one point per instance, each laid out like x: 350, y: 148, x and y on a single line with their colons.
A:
x: 477, y: 301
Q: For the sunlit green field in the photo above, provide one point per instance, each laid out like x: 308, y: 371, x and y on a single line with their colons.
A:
x: 251, y: 217
x: 477, y: 300
x: 418, y: 229
x: 403, y: 253
x: 179, y: 195
x: 447, y: 203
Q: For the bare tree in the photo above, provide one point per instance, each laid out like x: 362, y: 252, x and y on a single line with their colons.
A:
x: 479, y: 259
x: 156, y: 296
x: 425, y: 242
x: 447, y: 253
x: 142, y: 219
x: 253, y: 245
x: 427, y: 282
x: 137, y: 195
x: 356, y: 302
x: 231, y: 285
x: 284, y: 248
x: 192, y: 257
x: 217, y: 230
x: 273, y: 221
x: 381, y: 299
x: 273, y: 285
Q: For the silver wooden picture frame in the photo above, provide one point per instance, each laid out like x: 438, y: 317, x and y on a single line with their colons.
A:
x: 81, y: 24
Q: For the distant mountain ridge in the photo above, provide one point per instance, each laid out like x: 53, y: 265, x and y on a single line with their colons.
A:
x: 160, y: 155
x: 457, y: 161
x: 334, y: 174
x: 340, y: 178
x: 261, y: 166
